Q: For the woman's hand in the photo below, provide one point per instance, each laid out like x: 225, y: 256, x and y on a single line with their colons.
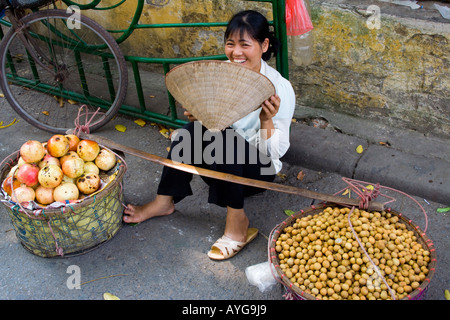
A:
x: 269, y: 108
x: 189, y: 115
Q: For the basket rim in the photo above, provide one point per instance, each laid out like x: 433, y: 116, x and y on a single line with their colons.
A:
x: 276, y: 231
x: 48, y: 213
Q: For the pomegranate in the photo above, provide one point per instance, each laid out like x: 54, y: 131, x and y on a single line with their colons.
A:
x: 23, y: 194
x: 73, y: 167
x: 58, y: 145
x: 7, y: 184
x: 73, y: 141
x: 91, y: 167
x: 13, y: 171
x: 44, y: 195
x: 88, y: 183
x: 44, y: 145
x: 88, y: 150
x: 66, y: 191
x: 67, y: 179
x: 105, y: 160
x: 28, y: 174
x: 32, y: 151
x: 20, y: 161
x: 68, y: 155
x: 49, y: 159
x: 50, y: 176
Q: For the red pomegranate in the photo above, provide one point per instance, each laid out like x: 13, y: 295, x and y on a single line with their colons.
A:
x: 28, y: 174
x: 23, y: 194
x: 49, y: 159
x: 44, y: 195
x: 32, y: 151
x: 88, y: 150
x: 7, y: 184
x: 58, y: 145
x: 73, y: 167
x: 105, y: 160
x: 50, y: 176
x: 88, y: 183
x: 73, y: 141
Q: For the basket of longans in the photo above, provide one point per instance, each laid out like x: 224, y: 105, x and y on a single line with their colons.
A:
x: 330, y: 252
x: 64, y: 196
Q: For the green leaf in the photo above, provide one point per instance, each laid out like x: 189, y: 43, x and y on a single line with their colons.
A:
x: 442, y: 210
x: 289, y: 212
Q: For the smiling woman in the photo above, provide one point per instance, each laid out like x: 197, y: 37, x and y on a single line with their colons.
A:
x: 248, y: 39
x: 250, y: 43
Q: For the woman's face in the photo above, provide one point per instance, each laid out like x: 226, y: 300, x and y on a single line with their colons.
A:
x: 245, y: 50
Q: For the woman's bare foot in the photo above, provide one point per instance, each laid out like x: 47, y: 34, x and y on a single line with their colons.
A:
x: 161, y: 206
x: 236, y: 224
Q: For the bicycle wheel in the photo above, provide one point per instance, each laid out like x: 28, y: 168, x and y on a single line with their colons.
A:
x: 86, y: 68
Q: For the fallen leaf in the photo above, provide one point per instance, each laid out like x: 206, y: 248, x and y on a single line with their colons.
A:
x: 282, y: 175
x: 359, y: 149
x: 2, y: 95
x: 164, y: 132
x: 168, y: 149
x: 289, y: 212
x: 110, y: 296
x: 442, y: 210
x: 71, y: 101
x: 140, y: 122
x: 370, y: 187
x: 151, y: 96
x: 293, y: 120
x: 46, y: 113
x: 120, y: 128
x: 8, y: 125
x: 447, y: 294
x: 300, y: 175
x: 347, y: 191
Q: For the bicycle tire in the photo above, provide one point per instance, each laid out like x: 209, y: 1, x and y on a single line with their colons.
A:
x: 53, y: 103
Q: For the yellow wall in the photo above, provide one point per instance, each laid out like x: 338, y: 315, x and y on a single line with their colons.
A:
x: 173, y: 42
x: 397, y: 74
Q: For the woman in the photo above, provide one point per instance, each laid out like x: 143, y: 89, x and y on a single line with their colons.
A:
x: 248, y: 42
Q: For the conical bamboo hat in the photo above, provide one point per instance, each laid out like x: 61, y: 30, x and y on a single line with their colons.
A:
x: 218, y: 93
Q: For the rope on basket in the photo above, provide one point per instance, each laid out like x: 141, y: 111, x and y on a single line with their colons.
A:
x: 84, y: 128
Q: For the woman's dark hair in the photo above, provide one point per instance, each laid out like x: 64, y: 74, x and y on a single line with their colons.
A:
x: 257, y: 27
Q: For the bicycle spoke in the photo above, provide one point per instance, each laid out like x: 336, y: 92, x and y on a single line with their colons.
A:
x: 76, y: 75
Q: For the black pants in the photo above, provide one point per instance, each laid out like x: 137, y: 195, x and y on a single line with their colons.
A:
x: 224, y: 151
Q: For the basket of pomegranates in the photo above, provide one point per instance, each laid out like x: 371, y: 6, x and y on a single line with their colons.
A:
x: 64, y: 196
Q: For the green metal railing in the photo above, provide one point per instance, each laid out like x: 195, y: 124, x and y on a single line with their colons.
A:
x: 171, y: 118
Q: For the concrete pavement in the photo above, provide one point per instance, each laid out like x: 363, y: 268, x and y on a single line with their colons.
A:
x: 165, y: 258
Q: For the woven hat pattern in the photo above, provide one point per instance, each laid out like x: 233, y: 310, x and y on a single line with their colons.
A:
x: 218, y: 93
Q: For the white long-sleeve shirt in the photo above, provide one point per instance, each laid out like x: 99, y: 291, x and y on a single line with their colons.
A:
x: 249, y: 126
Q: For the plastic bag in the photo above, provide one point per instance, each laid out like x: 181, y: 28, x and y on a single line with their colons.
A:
x: 298, y: 20
x: 444, y: 11
x: 260, y: 275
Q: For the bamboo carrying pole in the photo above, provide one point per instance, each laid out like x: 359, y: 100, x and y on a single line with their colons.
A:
x: 372, y: 205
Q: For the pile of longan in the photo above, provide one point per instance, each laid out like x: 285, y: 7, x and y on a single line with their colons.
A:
x: 320, y: 255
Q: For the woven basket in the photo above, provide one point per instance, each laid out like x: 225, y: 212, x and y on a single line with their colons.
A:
x: 295, y: 293
x: 74, y: 228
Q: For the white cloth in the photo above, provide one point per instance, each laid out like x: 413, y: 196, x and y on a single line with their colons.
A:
x: 249, y: 126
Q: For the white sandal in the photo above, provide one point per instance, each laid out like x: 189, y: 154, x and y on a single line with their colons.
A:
x: 225, y: 247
